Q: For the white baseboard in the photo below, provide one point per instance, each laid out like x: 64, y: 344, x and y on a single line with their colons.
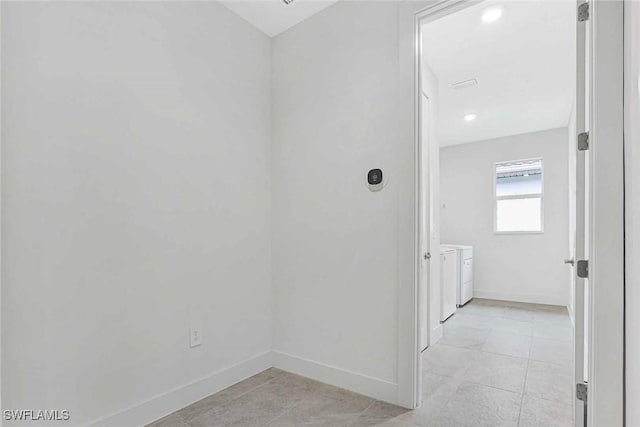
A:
x: 518, y: 297
x: 359, y: 383
x: 173, y: 400
x: 436, y: 334
x: 166, y: 403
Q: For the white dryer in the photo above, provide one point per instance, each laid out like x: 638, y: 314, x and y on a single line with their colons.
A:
x: 465, y: 272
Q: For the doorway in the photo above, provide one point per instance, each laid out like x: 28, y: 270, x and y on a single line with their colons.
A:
x: 599, y: 254
x: 497, y: 94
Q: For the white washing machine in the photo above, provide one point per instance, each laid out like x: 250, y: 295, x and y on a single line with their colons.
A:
x: 448, y: 282
x: 465, y: 272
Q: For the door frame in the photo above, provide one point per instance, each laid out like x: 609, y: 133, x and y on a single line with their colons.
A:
x: 425, y: 220
x: 606, y: 216
x: 409, y: 375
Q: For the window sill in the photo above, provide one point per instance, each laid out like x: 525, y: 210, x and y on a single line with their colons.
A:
x: 518, y: 232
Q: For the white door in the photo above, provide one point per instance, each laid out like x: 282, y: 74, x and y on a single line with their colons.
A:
x: 425, y: 244
x: 581, y: 294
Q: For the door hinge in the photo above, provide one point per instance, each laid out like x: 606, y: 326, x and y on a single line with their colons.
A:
x: 583, y: 141
x: 583, y: 268
x: 582, y: 392
x: 583, y: 12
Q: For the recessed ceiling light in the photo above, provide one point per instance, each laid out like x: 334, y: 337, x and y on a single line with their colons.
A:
x: 492, y: 14
x: 470, y: 117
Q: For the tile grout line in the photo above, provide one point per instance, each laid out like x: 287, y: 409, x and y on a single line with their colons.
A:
x: 461, y: 379
x: 288, y: 410
x: 370, y: 405
x: 482, y: 351
x: 550, y: 400
x: 492, y: 386
x: 524, y: 386
x: 256, y: 387
x: 441, y: 408
x: 524, y: 389
x: 355, y: 418
x: 279, y: 416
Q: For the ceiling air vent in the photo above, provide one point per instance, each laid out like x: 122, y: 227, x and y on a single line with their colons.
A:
x: 463, y: 84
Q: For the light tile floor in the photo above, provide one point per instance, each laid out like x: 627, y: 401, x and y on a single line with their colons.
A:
x: 498, y: 364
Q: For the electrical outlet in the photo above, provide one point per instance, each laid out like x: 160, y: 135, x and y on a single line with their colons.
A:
x: 195, y: 337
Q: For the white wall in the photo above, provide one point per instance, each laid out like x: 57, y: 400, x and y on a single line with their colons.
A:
x: 135, y: 190
x: 525, y: 268
x: 632, y: 206
x: 356, y: 58
x: 336, y: 245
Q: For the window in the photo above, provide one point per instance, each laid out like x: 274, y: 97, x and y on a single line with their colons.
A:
x: 518, y: 197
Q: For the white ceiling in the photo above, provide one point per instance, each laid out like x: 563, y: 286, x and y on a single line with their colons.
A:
x: 524, y: 65
x: 274, y: 16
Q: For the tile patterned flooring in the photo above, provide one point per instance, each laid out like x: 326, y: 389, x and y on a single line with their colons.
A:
x: 498, y: 364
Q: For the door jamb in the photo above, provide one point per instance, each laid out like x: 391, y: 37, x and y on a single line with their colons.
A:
x: 426, y: 311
